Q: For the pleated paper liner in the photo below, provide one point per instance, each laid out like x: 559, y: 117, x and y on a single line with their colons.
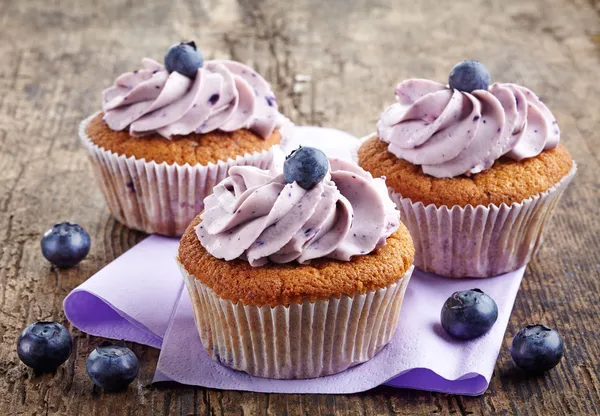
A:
x: 480, y: 241
x: 307, y: 340
x: 158, y: 197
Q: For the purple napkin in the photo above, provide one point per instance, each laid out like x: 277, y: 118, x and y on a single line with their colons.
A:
x: 140, y: 297
x: 133, y: 297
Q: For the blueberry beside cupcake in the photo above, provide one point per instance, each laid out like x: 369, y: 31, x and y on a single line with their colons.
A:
x: 298, y: 274
x: 476, y: 170
x: 168, y: 133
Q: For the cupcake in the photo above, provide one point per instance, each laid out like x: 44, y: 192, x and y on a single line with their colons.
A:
x: 475, y: 170
x: 168, y: 134
x: 300, y: 274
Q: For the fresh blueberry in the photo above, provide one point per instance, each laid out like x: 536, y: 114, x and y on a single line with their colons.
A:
x: 469, y: 76
x: 112, y: 367
x: 65, y: 244
x: 44, y: 346
x: 307, y: 166
x: 537, y: 348
x: 184, y: 58
x: 469, y: 314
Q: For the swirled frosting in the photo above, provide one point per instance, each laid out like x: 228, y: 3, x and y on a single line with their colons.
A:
x: 255, y: 215
x: 224, y: 95
x: 451, y: 133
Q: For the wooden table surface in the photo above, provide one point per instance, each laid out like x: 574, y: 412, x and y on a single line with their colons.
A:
x: 331, y: 63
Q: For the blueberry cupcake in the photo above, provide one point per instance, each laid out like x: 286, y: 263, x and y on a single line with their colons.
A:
x: 167, y: 134
x: 476, y: 170
x: 300, y: 274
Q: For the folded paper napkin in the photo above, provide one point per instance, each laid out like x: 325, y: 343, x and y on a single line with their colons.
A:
x: 141, y: 297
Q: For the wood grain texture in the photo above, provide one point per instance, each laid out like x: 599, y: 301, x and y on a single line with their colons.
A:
x: 331, y: 63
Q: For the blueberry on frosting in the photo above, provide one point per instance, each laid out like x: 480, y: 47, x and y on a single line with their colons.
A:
x: 184, y: 58
x: 449, y: 132
x: 220, y: 95
x: 307, y: 166
x: 468, y: 76
x: 259, y: 216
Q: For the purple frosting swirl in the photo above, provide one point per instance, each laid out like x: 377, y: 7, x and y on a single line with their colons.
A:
x: 256, y: 216
x: 225, y: 95
x: 451, y: 133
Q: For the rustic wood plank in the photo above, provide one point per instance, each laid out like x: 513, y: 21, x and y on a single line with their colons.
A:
x: 331, y: 63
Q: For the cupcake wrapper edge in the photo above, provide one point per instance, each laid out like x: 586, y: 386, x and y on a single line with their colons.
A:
x: 298, y: 341
x: 480, y: 241
x: 158, y: 197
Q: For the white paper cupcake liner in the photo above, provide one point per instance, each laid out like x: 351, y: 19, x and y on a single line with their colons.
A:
x: 307, y: 340
x: 157, y: 197
x: 481, y: 241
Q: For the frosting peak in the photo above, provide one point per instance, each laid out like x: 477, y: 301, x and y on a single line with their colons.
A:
x: 451, y: 133
x: 224, y: 95
x: 256, y: 216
